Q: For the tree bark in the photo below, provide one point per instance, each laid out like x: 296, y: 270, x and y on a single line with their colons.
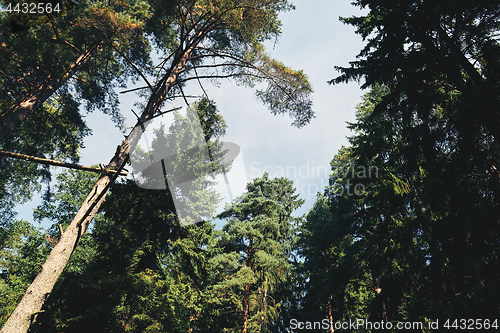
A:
x: 380, y: 297
x: 330, y: 310
x: 10, y: 120
x: 245, y: 308
x: 246, y: 296
x: 57, y: 163
x: 330, y: 313
x: 36, y: 294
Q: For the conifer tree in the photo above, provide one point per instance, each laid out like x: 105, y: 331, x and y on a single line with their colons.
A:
x: 80, y: 48
x: 412, y: 238
x: 137, y: 269
x: 255, y: 260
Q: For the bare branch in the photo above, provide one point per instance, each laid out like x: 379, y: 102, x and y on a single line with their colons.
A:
x: 219, y: 77
x: 199, y: 82
x: 133, y: 65
x: 57, y: 163
x: 134, y: 89
x: 218, y: 65
x: 184, y: 96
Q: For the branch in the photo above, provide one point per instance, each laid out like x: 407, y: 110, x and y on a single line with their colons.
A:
x: 476, y: 78
x: 164, y: 61
x: 57, y: 163
x: 164, y: 112
x: 199, y: 82
x: 132, y: 64
x: 184, y: 97
x: 134, y: 89
x: 219, y: 77
x: 266, y: 74
x: 244, y: 65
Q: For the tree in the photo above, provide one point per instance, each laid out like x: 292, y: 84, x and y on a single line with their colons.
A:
x: 255, y: 258
x: 431, y: 126
x: 138, y: 269
x: 22, y: 249
x: 56, y: 80
x: 411, y: 236
x: 334, y: 268
x: 67, y: 42
x: 58, y: 134
x: 437, y: 55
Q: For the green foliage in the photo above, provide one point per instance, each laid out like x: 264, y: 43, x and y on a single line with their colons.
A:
x: 137, y: 270
x: 432, y: 55
x: 253, y: 263
x: 35, y: 51
x: 407, y: 229
x: 23, y: 249
x: 60, y: 39
x: 425, y: 229
x: 56, y: 132
x: 69, y: 194
x: 411, y: 244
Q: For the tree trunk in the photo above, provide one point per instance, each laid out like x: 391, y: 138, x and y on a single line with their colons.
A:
x: 330, y: 313
x: 380, y: 298
x: 245, y: 308
x: 36, y: 294
x: 10, y: 120
x: 246, y: 296
x: 330, y: 310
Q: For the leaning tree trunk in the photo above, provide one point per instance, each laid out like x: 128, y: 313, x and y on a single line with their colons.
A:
x: 10, y: 120
x: 36, y: 294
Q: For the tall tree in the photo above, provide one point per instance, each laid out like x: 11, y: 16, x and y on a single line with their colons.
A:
x: 38, y: 55
x: 334, y: 268
x: 435, y: 130
x: 410, y: 233
x: 256, y: 244
x: 436, y: 54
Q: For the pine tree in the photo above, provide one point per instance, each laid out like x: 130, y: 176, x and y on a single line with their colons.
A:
x: 137, y: 270
x: 430, y: 126
x: 83, y: 48
x: 255, y: 259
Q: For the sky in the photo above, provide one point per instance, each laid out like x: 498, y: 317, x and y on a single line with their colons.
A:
x: 314, y: 40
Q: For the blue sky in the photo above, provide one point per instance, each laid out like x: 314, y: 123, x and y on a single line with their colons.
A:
x: 313, y: 40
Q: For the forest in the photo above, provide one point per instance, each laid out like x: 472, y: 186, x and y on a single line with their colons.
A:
x: 407, y: 230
